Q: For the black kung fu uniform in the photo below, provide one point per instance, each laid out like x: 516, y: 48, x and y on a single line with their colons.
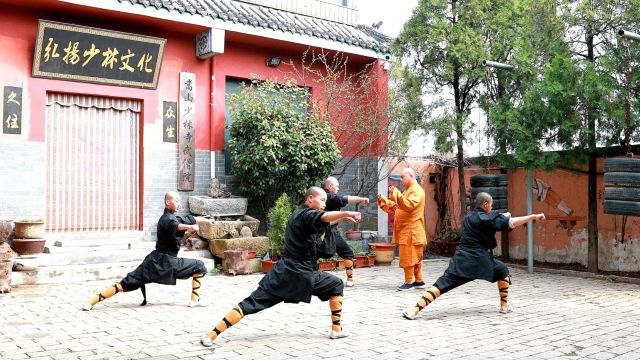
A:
x: 334, y: 243
x: 474, y: 257
x: 163, y: 266
x: 295, y: 278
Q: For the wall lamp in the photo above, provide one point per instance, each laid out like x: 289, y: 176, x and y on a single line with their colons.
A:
x: 273, y: 61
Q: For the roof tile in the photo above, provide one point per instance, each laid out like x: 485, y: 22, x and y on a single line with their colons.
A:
x: 266, y: 17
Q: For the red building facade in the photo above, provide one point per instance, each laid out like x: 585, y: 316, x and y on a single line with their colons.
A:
x: 93, y: 156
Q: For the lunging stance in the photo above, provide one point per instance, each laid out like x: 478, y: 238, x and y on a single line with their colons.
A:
x: 295, y: 278
x: 162, y: 266
x: 474, y: 257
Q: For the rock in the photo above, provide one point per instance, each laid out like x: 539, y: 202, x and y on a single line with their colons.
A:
x: 5, y: 275
x: 217, y: 189
x: 236, y: 261
x: 210, y: 229
x: 245, y: 232
x: 233, y: 233
x: 260, y: 244
x: 6, y: 230
x: 205, y: 205
x: 198, y: 243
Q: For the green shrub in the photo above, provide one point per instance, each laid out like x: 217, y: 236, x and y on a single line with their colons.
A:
x: 277, y: 224
x: 276, y: 144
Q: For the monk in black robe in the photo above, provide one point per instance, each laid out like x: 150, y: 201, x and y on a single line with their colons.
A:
x: 295, y: 278
x: 162, y: 266
x: 474, y: 257
x: 333, y: 243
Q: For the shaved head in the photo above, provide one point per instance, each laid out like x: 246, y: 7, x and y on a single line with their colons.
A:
x: 171, y: 195
x: 409, y: 171
x: 330, y: 181
x: 482, y: 198
x: 315, y: 191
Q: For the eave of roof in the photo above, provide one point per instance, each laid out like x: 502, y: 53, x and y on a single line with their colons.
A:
x: 278, y: 27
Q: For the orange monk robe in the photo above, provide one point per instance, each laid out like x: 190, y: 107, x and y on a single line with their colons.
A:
x: 408, y: 226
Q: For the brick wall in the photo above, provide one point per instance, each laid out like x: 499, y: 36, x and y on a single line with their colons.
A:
x: 22, y: 179
x: 355, y: 176
x: 161, y: 176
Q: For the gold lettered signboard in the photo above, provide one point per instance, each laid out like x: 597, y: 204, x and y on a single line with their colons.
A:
x: 186, y: 132
x: 169, y: 121
x: 12, y: 110
x: 80, y: 53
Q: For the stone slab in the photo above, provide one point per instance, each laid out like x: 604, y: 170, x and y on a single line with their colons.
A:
x: 258, y: 243
x: 205, y: 205
x: 220, y: 229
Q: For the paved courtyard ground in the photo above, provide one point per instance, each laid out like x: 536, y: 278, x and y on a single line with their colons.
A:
x: 554, y: 317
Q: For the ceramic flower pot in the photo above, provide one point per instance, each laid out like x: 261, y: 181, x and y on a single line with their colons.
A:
x: 29, y: 246
x: 267, y: 265
x: 383, y: 252
x: 327, y: 265
x: 353, y: 234
x: 29, y: 229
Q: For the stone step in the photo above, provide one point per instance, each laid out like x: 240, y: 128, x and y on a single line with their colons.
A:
x: 77, y: 273
x: 94, y: 238
x: 70, y: 247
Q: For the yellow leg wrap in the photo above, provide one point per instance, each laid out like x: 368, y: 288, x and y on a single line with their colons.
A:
x: 348, y: 267
x: 427, y: 298
x: 106, y: 293
x: 503, y: 289
x: 231, y: 318
x: 335, y: 304
x: 195, y: 286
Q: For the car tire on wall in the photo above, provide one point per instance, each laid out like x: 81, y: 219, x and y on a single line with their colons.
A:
x: 618, y: 207
x: 489, y: 180
x: 495, y: 192
x: 622, y: 193
x: 622, y: 165
x: 621, y: 179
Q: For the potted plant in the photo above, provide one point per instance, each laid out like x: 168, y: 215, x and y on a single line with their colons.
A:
x: 277, y: 224
x: 361, y: 258
x: 326, y: 264
x: 452, y: 240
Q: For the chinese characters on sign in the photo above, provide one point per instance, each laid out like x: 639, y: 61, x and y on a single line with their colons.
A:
x: 81, y: 53
x: 12, y: 110
x: 186, y: 132
x: 169, y: 121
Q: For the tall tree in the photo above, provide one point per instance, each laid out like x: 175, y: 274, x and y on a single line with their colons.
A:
x: 591, y: 35
x: 444, y: 41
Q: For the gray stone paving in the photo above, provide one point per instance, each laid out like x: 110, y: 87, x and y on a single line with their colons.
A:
x: 554, y: 317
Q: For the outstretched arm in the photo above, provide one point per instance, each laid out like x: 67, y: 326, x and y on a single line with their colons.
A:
x: 357, y: 199
x: 336, y: 216
x: 521, y: 220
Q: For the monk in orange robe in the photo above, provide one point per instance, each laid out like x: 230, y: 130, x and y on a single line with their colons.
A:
x: 408, y: 227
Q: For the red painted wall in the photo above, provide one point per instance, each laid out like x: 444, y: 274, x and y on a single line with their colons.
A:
x: 244, y: 55
x: 18, y: 28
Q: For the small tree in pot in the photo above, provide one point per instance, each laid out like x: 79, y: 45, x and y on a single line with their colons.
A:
x: 277, y: 225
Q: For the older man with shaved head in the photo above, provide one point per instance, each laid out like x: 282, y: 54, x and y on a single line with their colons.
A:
x: 162, y: 266
x: 408, y: 227
x: 333, y: 243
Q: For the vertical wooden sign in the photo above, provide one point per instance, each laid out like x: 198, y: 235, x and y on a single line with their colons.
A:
x: 186, y: 132
x: 12, y: 110
x: 170, y: 121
